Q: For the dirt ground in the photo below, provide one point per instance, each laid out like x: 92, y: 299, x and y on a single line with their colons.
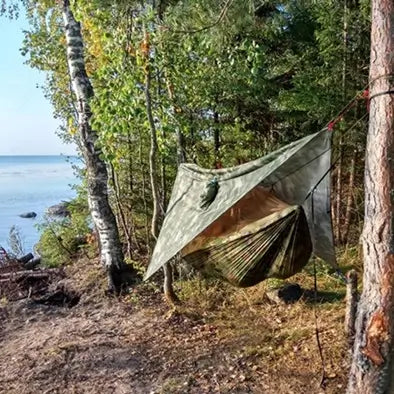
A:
x: 218, y: 341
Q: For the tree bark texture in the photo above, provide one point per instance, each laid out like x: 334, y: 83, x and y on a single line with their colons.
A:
x: 372, y: 367
x: 111, y: 253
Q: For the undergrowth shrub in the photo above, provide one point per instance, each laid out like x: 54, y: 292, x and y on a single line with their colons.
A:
x: 63, y: 239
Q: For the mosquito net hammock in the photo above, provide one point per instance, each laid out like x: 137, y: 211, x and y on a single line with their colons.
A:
x: 259, y: 220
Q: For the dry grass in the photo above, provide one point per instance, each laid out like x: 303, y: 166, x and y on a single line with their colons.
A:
x: 279, y: 341
x: 220, y: 340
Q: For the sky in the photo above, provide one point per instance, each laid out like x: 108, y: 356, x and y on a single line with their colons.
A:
x: 27, y: 126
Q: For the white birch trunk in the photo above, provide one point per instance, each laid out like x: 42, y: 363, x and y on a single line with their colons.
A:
x: 97, y: 176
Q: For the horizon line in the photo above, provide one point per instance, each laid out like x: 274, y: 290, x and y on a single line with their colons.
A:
x: 38, y: 154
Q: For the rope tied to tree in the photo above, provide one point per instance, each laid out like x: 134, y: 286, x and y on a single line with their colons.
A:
x: 381, y: 94
x: 364, y: 94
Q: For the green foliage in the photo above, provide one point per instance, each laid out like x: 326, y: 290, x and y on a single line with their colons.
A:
x: 235, y: 79
x: 62, y: 240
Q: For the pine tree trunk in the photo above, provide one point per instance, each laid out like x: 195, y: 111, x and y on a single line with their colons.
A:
x: 372, y: 364
x: 111, y: 253
x: 349, y: 202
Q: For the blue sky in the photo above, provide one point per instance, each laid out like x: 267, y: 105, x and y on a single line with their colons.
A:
x: 27, y: 126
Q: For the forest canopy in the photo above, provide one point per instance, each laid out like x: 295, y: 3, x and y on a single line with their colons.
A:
x: 229, y: 81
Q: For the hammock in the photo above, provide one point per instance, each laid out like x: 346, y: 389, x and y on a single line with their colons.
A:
x: 254, y: 221
x: 244, y: 251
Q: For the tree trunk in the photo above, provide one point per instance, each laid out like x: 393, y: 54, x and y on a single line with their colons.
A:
x: 338, y: 206
x: 152, y: 155
x: 130, y: 162
x: 181, y: 158
x: 344, y: 59
x: 130, y: 171
x: 349, y: 202
x: 168, y: 276
x: 111, y: 253
x: 216, y: 140
x: 339, y: 193
x: 351, y: 304
x: 180, y: 146
x: 372, y: 367
x: 142, y: 167
x: 163, y: 184
x: 180, y: 138
x: 122, y: 215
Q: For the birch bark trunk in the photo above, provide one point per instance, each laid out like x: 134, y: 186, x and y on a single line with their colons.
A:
x: 372, y: 365
x: 111, y: 253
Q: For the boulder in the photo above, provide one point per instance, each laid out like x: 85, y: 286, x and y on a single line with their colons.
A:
x: 60, y: 210
x: 287, y: 294
x: 33, y: 263
x: 28, y: 215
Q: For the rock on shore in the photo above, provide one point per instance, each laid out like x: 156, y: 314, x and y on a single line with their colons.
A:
x: 59, y: 210
x: 28, y: 215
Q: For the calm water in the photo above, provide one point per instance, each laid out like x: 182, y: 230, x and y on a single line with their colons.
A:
x: 31, y: 183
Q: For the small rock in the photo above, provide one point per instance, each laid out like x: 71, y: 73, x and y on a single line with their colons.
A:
x: 28, y: 215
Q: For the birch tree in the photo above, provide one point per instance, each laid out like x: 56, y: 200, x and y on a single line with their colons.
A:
x: 111, y: 253
x: 372, y: 366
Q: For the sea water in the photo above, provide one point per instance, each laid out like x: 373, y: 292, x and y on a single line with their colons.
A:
x: 32, y: 184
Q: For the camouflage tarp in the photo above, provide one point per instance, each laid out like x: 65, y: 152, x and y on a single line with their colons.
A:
x: 297, y: 174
